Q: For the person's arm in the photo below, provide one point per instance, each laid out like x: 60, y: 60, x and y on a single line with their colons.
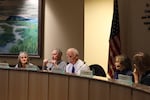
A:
x: 16, y: 66
x: 136, y: 75
x: 45, y: 61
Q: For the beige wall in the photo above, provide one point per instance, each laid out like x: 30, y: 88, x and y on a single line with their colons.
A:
x: 135, y: 33
x: 63, y: 25
x: 98, y: 18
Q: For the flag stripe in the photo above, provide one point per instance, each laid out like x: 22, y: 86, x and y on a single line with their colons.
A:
x: 114, y: 41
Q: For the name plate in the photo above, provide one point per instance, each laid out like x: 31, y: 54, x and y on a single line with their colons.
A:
x: 87, y: 73
x: 32, y: 67
x: 58, y: 70
x: 4, y: 65
x: 125, y: 79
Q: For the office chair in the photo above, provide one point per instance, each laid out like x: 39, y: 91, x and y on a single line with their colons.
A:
x: 97, y: 70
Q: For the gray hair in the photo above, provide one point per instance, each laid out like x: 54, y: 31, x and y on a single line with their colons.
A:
x: 74, y: 50
x: 58, y: 51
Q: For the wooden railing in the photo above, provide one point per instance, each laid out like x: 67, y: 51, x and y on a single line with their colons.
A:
x: 18, y: 84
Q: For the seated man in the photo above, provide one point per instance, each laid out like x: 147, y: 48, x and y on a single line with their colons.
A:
x: 55, y: 61
x: 75, y: 64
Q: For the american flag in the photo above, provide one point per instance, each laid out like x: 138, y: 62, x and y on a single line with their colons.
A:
x: 114, y: 40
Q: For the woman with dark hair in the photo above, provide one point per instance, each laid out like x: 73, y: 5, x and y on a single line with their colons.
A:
x: 141, y: 64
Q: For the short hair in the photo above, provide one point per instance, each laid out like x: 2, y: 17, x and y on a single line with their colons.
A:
x: 125, y: 61
x: 74, y: 50
x: 59, y: 51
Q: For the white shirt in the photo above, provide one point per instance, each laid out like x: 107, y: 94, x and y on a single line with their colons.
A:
x: 79, y: 65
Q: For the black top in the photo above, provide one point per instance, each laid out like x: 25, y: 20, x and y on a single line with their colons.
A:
x: 145, y: 79
x: 123, y: 72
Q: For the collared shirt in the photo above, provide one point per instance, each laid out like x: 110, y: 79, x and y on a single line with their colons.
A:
x: 79, y: 65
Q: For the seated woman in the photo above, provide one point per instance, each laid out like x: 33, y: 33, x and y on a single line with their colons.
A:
x: 123, y: 66
x: 23, y: 62
x: 141, y: 64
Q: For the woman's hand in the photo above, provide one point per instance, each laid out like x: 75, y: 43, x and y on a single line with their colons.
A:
x: 54, y: 62
x: 136, y: 75
x: 45, y: 61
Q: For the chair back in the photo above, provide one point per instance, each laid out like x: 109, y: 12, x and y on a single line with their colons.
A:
x: 97, y: 70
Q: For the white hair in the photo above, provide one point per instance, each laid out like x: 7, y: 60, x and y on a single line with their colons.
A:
x: 74, y: 50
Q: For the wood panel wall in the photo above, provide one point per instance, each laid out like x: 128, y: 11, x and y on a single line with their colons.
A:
x: 32, y: 85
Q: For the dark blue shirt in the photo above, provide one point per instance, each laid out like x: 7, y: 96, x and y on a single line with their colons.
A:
x: 145, y: 79
x: 124, y: 72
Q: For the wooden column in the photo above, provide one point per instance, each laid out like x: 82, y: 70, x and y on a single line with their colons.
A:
x: 58, y: 87
x: 3, y: 84
x: 99, y: 90
x: 140, y: 95
x: 18, y: 85
x: 118, y: 92
x: 78, y: 88
x: 38, y: 86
